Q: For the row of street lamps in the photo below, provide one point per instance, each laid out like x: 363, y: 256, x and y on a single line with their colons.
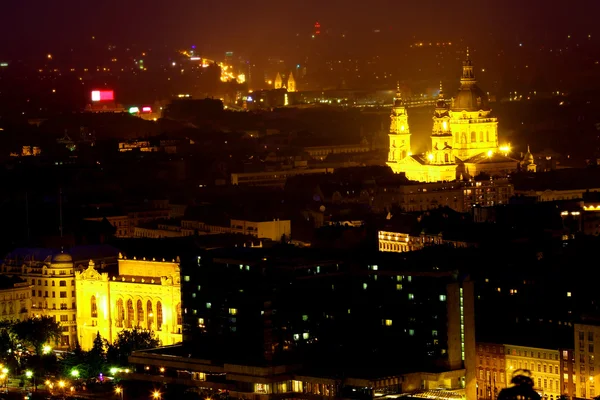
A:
x: 156, y: 395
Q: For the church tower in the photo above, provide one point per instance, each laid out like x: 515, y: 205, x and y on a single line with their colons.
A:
x: 475, y: 132
x: 399, y: 132
x: 441, y: 136
x: 291, y: 83
x: 278, y: 81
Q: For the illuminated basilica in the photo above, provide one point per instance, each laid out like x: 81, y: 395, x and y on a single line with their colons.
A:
x: 464, y: 138
x: 143, y: 294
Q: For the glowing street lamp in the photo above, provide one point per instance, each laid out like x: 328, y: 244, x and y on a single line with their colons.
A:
x: 156, y: 394
x: 114, y: 371
x: 61, y: 384
x: 75, y: 373
x: 28, y: 374
x: 46, y: 349
x: 119, y: 391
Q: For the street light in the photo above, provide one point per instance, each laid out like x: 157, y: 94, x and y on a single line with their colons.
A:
x: 29, y: 374
x: 119, y: 391
x: 46, y: 349
x: 5, y: 374
x: 114, y: 371
x: 75, y: 374
x: 156, y: 394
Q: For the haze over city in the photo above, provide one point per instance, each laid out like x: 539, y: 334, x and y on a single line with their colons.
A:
x: 308, y: 200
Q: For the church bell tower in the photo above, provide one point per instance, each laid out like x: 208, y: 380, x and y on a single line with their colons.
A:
x: 399, y: 132
x: 441, y: 137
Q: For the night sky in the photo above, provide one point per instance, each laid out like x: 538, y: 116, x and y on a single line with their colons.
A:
x: 248, y: 25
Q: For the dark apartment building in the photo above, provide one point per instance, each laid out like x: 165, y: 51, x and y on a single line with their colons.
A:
x: 404, y: 324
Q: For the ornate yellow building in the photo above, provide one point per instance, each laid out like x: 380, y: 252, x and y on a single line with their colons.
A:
x: 15, y: 298
x: 464, y: 138
x: 143, y: 294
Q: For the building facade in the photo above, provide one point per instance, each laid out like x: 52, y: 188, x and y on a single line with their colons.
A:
x: 491, y: 370
x: 256, y: 300
x: 544, y: 365
x: 52, y: 277
x: 587, y: 354
x: 15, y: 298
x: 459, y: 196
x: 142, y: 293
x: 464, y: 138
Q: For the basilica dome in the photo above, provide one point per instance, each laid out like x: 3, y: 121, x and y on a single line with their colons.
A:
x: 62, y: 258
x: 470, y: 98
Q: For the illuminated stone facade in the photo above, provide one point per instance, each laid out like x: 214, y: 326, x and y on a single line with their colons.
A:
x: 464, y: 138
x: 15, y: 298
x: 544, y: 365
x: 491, y: 370
x: 143, y: 294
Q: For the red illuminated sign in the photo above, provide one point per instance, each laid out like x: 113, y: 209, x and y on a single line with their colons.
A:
x: 103, y: 95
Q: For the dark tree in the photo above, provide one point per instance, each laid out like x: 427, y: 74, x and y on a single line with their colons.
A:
x: 129, y: 341
x: 96, y: 357
x: 36, y: 332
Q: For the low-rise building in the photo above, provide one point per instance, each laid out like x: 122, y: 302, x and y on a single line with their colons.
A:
x: 459, y: 196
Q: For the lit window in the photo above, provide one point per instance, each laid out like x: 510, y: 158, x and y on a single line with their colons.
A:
x: 364, y: 286
x: 201, y: 322
x: 208, y: 305
x: 194, y: 295
x: 305, y: 318
x: 411, y: 332
x: 568, y: 294
x: 305, y: 335
x: 186, y: 278
x: 442, y: 297
x: 232, y: 311
x: 434, y: 333
x: 296, y: 336
x: 399, y: 286
x: 374, y: 267
x: 409, y: 278
x: 411, y: 296
x: 387, y: 322
x: 318, y: 269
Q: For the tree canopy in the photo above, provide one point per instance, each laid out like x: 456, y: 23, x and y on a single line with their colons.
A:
x: 37, y: 332
x: 129, y: 341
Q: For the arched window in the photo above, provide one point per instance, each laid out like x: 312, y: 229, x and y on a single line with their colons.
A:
x: 481, y: 136
x: 120, y: 313
x: 140, y: 313
x: 446, y: 159
x: 178, y: 310
x: 130, y: 313
x: 159, y: 316
x: 473, y: 137
x: 150, y: 315
x: 463, y: 139
x: 94, y: 307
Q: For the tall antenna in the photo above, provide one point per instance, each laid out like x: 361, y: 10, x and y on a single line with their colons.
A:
x: 27, y: 216
x: 60, y: 226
